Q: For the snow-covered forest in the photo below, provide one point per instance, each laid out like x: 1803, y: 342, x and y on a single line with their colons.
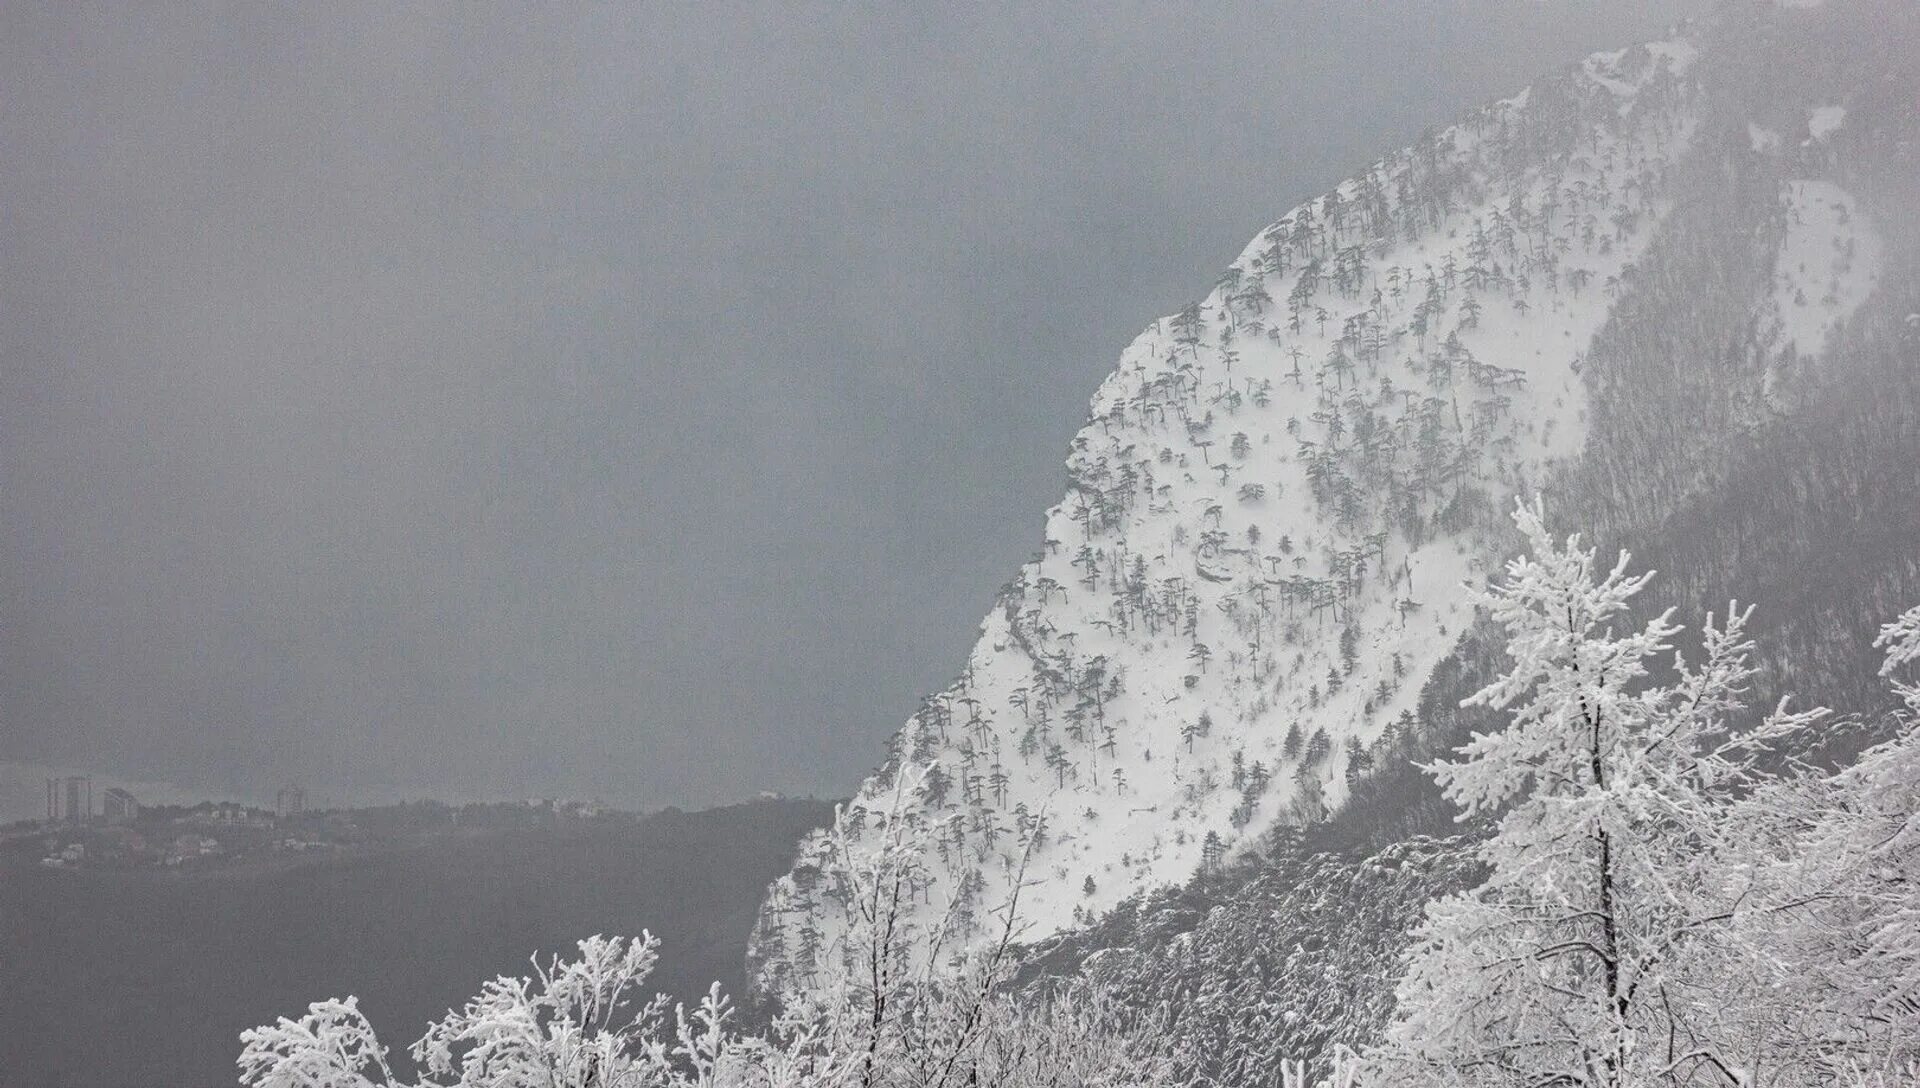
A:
x: 1667, y: 896
x: 1479, y: 645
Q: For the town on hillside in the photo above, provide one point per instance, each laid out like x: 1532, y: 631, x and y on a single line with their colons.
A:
x: 114, y: 831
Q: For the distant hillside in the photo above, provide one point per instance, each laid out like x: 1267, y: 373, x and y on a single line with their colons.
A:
x: 147, y: 978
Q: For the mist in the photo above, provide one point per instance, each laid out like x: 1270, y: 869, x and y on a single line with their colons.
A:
x: 618, y: 402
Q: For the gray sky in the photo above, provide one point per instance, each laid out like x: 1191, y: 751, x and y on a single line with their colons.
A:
x: 641, y: 402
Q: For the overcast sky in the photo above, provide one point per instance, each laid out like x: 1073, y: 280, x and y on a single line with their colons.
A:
x: 638, y: 402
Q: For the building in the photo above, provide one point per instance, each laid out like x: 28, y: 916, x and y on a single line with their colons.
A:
x: 291, y: 801
x: 120, y: 806
x: 70, y: 799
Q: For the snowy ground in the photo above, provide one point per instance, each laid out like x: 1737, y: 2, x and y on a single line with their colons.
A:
x: 1828, y: 264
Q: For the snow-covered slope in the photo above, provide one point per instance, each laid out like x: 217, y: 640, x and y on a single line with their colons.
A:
x: 1825, y: 268
x: 1280, y: 504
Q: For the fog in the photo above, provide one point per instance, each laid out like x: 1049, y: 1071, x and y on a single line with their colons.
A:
x: 617, y: 402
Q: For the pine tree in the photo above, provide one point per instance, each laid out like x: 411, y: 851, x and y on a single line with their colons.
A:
x: 1212, y: 851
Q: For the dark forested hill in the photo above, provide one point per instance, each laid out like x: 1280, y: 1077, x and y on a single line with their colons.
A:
x: 147, y: 978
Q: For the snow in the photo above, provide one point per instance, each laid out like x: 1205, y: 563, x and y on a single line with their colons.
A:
x: 1474, y: 326
x: 1824, y: 121
x: 1627, y: 72
x: 1439, y: 572
x: 1678, y: 54
x: 1597, y: 740
x: 1828, y: 263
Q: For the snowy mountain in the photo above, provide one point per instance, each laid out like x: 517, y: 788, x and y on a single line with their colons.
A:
x: 1600, y: 289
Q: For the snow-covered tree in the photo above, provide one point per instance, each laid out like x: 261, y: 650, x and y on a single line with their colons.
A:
x: 1609, y: 855
x: 1878, y: 836
x: 332, y: 1046
x: 887, y: 1005
x: 1833, y: 946
x: 579, y: 1021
